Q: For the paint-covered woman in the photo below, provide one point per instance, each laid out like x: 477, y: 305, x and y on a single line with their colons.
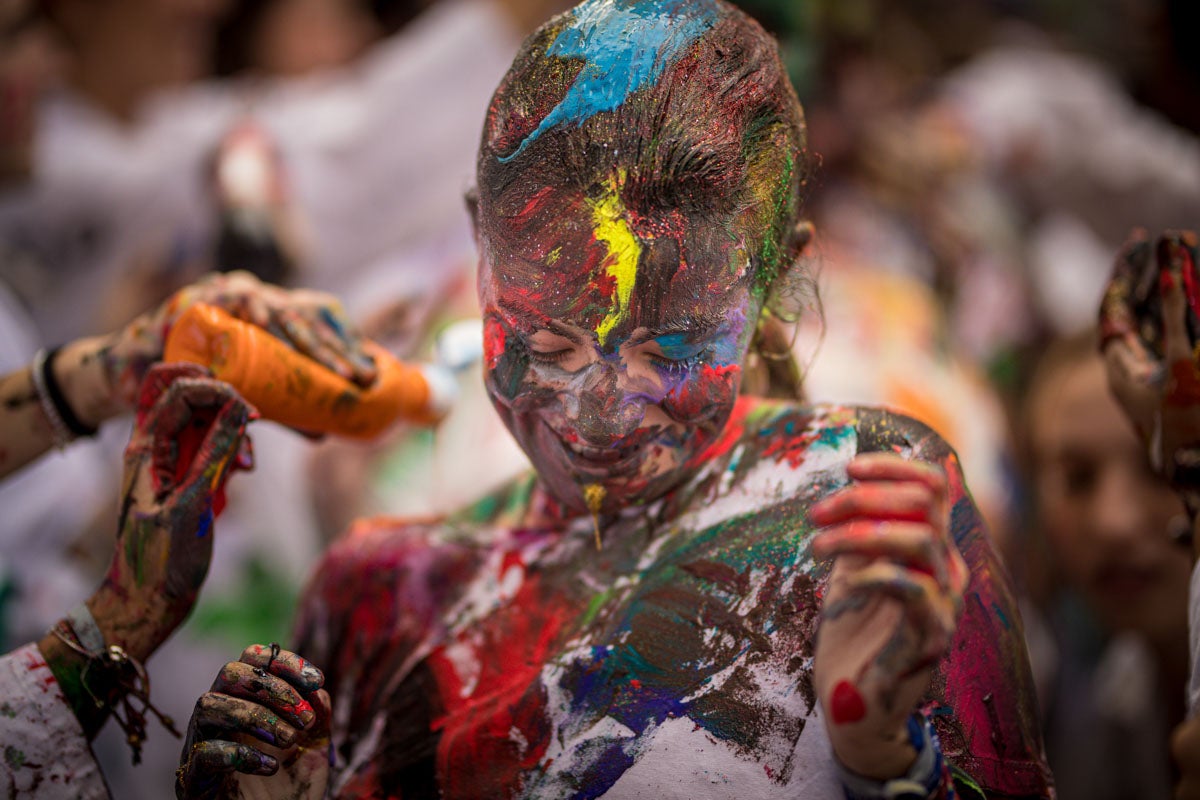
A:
x: 697, y: 593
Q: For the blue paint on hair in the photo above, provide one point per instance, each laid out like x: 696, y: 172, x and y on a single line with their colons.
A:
x: 625, y: 45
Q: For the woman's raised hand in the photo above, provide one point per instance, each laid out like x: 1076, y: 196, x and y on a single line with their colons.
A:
x: 311, y: 322
x: 1148, y: 321
x: 189, y: 435
x: 264, y: 712
x: 891, y: 607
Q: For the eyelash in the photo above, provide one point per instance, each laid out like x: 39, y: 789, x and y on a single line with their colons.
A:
x: 548, y: 358
x: 676, y: 367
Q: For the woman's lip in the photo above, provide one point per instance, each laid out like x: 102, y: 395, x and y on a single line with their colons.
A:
x: 602, y: 462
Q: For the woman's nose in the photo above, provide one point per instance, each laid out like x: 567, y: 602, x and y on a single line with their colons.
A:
x: 607, y: 412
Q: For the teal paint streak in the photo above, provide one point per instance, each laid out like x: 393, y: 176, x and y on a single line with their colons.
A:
x: 625, y: 47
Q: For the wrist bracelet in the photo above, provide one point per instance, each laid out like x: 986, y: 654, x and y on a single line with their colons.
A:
x: 58, y: 428
x: 50, y: 383
x: 123, y: 679
x: 924, y: 778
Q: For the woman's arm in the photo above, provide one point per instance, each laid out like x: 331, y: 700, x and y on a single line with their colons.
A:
x: 69, y: 393
x: 188, y: 438
x: 941, y: 639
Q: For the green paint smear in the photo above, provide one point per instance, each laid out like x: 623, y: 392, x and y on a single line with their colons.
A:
x: 772, y: 255
x: 965, y: 786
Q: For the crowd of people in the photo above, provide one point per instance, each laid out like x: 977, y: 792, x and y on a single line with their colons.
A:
x: 838, y: 443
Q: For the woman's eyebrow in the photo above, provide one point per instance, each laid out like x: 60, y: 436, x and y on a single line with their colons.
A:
x: 534, y: 320
x: 695, y: 329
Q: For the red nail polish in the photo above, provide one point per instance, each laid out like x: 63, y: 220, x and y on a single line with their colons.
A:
x: 846, y: 704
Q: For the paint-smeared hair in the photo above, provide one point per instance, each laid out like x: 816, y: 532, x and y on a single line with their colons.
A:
x: 688, y: 98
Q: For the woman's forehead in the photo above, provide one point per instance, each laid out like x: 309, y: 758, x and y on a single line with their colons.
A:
x: 602, y: 274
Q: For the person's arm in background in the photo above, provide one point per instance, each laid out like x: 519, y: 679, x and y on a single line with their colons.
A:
x: 1148, y: 325
x: 89, y: 381
x: 188, y: 437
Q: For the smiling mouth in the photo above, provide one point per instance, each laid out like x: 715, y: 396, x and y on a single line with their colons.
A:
x: 604, y: 461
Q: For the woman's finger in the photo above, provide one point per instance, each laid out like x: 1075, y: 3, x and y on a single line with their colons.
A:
x: 1176, y: 270
x: 220, y: 716
x: 878, y: 500
x: 256, y: 684
x: 222, y: 445
x: 196, y: 427
x: 338, y: 334
x: 915, y: 546
x: 929, y: 609
x: 216, y: 757
x: 1117, y: 316
x: 892, y: 467
x: 293, y: 668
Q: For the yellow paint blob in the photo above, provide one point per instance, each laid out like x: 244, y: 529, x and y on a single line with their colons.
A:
x: 624, y: 251
x: 593, y: 495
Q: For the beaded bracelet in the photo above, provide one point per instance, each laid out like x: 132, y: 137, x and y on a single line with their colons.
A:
x: 123, y: 680
x: 924, y: 780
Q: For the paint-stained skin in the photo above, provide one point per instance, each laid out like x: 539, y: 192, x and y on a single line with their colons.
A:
x: 188, y: 437
x: 501, y: 656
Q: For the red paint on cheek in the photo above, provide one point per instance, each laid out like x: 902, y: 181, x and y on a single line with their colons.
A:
x: 697, y: 396
x: 494, y: 342
x: 847, y: 704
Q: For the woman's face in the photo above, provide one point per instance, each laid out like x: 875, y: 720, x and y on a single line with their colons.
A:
x: 1104, y: 511
x: 613, y: 343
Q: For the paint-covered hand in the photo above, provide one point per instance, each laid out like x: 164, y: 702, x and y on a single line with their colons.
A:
x: 264, y: 712
x: 890, y: 609
x: 1149, y: 322
x: 313, y: 323
x: 189, y: 434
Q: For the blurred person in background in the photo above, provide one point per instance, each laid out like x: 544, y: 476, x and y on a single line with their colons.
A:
x: 1106, y: 564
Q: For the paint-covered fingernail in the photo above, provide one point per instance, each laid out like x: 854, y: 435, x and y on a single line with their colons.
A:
x: 312, y: 677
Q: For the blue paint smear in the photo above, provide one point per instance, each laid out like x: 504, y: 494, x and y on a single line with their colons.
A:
x: 206, y: 523
x: 679, y: 347
x: 625, y: 47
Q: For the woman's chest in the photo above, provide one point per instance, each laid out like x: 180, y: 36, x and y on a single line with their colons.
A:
x: 575, y: 671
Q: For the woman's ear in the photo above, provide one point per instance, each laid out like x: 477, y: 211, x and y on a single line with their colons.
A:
x: 797, y: 241
x: 471, y: 199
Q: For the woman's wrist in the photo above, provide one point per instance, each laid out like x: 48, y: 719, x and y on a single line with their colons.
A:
x: 100, y: 677
x: 926, y: 778
x: 872, y: 754
x: 82, y: 373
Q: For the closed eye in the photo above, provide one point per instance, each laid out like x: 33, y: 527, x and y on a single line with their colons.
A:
x: 548, y: 347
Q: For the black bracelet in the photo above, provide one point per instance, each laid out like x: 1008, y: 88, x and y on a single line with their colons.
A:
x: 59, y: 400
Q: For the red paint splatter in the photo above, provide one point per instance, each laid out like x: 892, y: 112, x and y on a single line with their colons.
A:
x: 477, y: 747
x: 847, y: 704
x: 494, y: 342
x: 694, y: 399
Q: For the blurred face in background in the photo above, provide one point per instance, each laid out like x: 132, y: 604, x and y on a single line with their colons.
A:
x: 122, y: 50
x: 1107, y: 517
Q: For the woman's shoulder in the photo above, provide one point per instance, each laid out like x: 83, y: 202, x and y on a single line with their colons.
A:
x: 788, y: 431
x: 383, y: 546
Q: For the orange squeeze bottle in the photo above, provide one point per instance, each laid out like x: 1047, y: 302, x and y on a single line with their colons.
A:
x: 292, y: 389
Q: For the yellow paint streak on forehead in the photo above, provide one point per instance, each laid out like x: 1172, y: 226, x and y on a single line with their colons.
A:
x: 624, y: 251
